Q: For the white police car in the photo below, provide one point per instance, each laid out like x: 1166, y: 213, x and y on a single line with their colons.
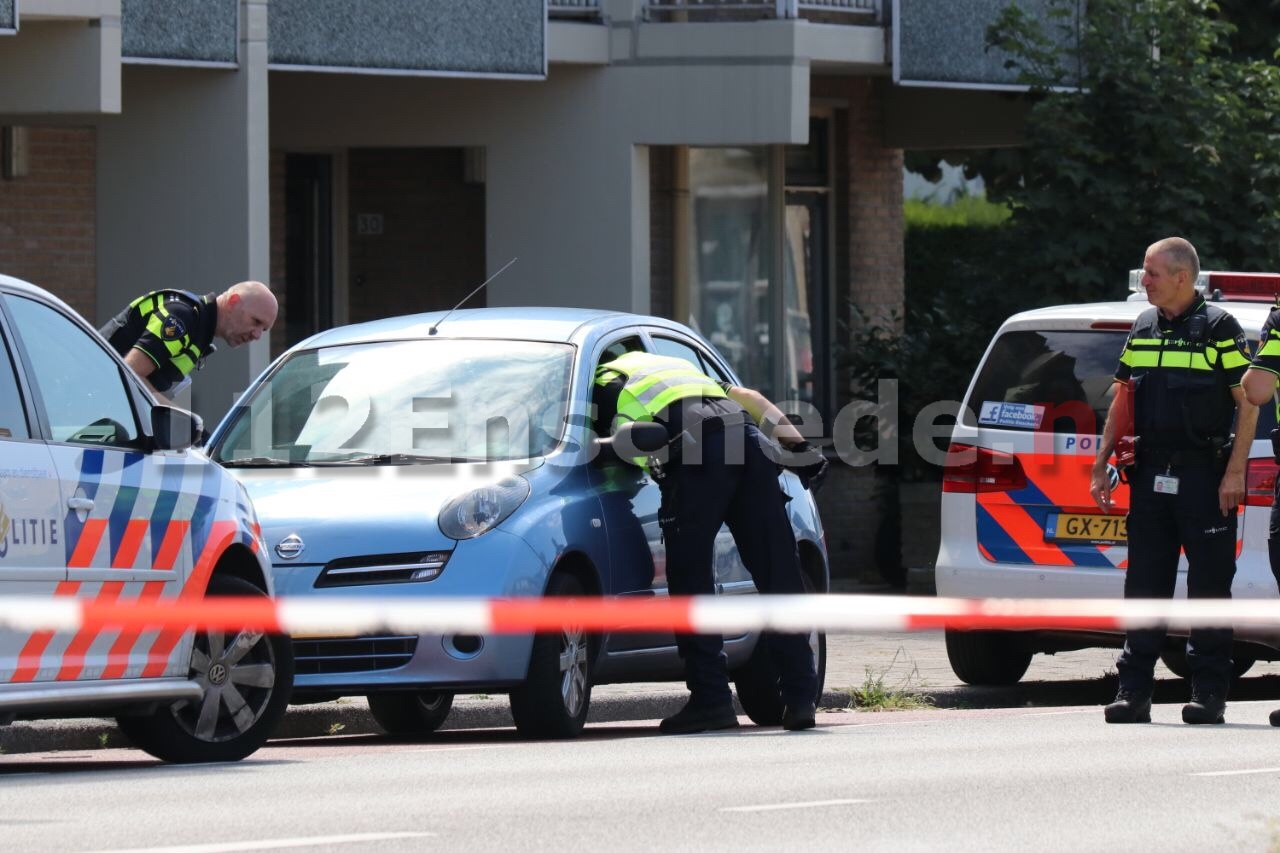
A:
x: 103, y: 498
x: 1017, y: 517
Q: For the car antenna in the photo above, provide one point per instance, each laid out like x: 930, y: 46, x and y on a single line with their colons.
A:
x: 436, y: 324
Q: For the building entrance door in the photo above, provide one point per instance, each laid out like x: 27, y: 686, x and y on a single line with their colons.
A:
x: 308, y: 293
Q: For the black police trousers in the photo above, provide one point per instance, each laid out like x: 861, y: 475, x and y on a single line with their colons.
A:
x: 729, y: 480
x: 1160, y: 525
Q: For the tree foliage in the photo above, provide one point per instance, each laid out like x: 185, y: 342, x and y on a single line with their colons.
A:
x: 1147, y: 125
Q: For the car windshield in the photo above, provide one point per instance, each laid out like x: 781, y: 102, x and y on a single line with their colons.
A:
x: 404, y: 402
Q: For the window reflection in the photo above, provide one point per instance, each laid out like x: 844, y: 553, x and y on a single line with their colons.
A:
x: 730, y: 302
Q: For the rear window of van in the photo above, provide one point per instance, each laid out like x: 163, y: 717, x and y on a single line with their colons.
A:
x: 1054, y: 381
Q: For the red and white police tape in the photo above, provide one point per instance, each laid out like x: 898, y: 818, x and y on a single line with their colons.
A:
x: 834, y: 613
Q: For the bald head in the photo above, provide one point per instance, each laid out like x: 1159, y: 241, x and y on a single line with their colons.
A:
x: 246, y: 311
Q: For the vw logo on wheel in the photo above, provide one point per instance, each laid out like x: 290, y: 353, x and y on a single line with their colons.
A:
x: 1113, y: 476
x: 290, y: 546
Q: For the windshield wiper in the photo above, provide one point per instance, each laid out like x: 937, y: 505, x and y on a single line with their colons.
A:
x: 262, y: 462
x: 398, y: 459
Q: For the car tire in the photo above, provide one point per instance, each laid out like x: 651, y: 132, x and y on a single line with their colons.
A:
x: 556, y: 694
x: 1175, y: 658
x: 418, y: 713
x: 756, y: 682
x: 252, y: 672
x: 987, y: 658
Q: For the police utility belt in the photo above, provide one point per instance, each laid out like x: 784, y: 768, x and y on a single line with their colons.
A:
x: 1215, y: 452
x: 687, y: 439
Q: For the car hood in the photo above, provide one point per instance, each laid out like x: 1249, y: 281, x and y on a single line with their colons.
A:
x: 341, y: 511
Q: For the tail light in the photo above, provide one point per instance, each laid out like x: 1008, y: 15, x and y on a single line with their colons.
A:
x: 972, y: 469
x: 1260, y: 482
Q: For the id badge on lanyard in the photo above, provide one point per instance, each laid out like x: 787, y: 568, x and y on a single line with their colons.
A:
x: 1166, y: 483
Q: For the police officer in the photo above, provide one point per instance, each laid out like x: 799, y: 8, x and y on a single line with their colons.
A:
x: 1260, y: 386
x: 166, y: 334
x: 719, y: 469
x: 1180, y: 371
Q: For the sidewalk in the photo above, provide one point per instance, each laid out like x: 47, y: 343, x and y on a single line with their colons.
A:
x: 914, y: 663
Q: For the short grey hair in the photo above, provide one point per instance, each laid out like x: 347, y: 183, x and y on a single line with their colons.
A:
x: 1181, y: 254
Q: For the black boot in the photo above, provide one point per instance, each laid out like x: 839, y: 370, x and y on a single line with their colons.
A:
x: 1203, y: 708
x: 1130, y: 706
x: 799, y: 715
x: 699, y: 718
x: 1275, y: 718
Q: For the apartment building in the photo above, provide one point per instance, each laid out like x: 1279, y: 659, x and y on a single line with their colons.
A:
x: 733, y: 164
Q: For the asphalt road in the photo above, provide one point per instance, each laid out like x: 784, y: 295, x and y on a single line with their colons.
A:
x: 980, y: 779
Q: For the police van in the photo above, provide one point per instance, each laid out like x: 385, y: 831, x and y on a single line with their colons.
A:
x: 104, y: 499
x: 1017, y: 517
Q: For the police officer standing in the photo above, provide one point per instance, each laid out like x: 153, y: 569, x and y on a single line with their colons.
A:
x: 1180, y: 370
x: 166, y: 334
x: 1260, y: 386
x: 719, y: 469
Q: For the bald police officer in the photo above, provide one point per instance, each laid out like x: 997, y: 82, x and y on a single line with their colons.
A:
x: 166, y: 335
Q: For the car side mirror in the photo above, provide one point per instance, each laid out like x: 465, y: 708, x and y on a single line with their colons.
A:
x: 635, y: 438
x: 175, y: 429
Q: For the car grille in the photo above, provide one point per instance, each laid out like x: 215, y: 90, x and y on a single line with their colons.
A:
x: 372, y: 569
x: 324, y: 655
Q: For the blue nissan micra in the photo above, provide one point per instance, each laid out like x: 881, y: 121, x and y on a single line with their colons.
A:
x: 430, y: 456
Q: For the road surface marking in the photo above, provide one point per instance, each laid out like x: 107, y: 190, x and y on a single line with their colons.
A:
x: 1237, y: 772
x: 278, y: 843
x: 816, y: 804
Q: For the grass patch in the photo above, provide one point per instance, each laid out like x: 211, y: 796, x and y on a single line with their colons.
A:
x: 875, y: 695
x: 963, y: 212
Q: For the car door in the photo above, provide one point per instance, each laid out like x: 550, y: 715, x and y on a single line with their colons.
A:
x: 126, y: 513
x: 731, y: 575
x: 629, y: 501
x: 32, y: 560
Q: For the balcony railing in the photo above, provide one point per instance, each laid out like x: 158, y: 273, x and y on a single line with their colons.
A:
x: 830, y: 11
x: 573, y: 8
x: 859, y: 11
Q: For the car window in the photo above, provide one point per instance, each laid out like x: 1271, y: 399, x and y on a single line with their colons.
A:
x: 80, y: 385
x: 418, y: 400
x: 621, y: 347
x: 13, y: 421
x: 1055, y: 381
x: 679, y: 349
x: 1047, y: 381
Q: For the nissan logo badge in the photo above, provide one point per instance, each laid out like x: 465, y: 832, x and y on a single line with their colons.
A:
x: 290, y: 546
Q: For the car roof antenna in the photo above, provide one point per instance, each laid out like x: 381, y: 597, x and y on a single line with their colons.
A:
x: 436, y: 324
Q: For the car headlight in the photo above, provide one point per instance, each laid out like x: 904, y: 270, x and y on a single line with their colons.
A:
x: 480, y: 510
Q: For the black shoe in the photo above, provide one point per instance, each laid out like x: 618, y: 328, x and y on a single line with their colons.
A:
x: 690, y: 719
x: 1275, y: 718
x: 1130, y: 707
x: 1204, y: 708
x: 799, y: 716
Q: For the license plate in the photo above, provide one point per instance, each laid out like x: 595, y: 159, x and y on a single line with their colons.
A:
x: 1083, y: 527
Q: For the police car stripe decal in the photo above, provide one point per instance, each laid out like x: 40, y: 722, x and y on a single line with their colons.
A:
x: 29, y: 658
x: 221, y: 534
x: 129, y: 481
x: 994, y: 538
x: 1023, y: 528
x: 166, y: 557
x: 170, y: 489
x: 91, y: 471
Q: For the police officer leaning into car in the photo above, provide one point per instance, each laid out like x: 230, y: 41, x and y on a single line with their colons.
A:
x: 1260, y: 386
x: 719, y: 469
x: 165, y: 335
x: 1181, y: 368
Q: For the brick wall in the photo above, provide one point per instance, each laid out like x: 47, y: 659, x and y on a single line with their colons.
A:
x: 48, y: 218
x: 430, y: 253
